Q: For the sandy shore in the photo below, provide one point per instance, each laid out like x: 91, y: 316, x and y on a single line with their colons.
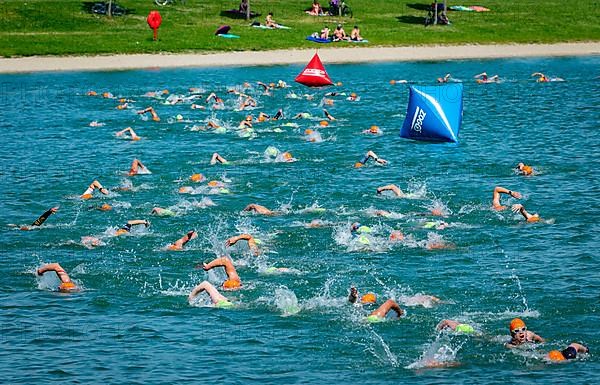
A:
x: 328, y: 55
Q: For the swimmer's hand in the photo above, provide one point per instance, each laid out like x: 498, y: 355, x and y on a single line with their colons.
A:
x: 516, y: 208
x: 381, y: 161
x: 515, y: 194
x: 54, y: 209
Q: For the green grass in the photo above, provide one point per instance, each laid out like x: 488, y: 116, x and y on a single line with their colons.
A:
x: 64, y: 27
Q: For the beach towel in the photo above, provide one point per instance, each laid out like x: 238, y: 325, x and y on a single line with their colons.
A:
x: 317, y: 39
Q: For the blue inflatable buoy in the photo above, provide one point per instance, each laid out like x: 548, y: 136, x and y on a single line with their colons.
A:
x: 434, y: 113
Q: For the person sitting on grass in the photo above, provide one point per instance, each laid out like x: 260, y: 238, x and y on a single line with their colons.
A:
x: 355, y: 34
x: 339, y: 34
x: 269, y: 22
x: 316, y: 9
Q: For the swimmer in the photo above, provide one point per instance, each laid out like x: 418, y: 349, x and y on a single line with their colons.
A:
x: 129, y: 130
x: 456, y: 326
x: 103, y: 207
x: 373, y: 130
x: 278, y: 115
x: 483, y: 78
x: 246, y: 237
x: 258, y: 209
x: 95, y: 123
x: 214, y: 97
x: 391, y: 187
x: 286, y: 157
x: 248, y: 102
x: 424, y: 300
x: 233, y: 281
x: 370, y: 155
x: 197, y: 178
x: 216, y: 158
x: 137, y: 167
x: 246, y: 123
x: 368, y: 298
x: 302, y: 115
x: 524, y: 169
x: 41, y: 219
x: 66, y: 284
x: 127, y: 227
x: 353, y: 97
x: 496, y: 197
x: 95, y: 185
x: 152, y: 112
x: 218, y: 299
x: 382, y: 213
x: 518, y: 208
x: 569, y: 353
x: 265, y: 88
x: 91, y: 93
x: 396, y: 236
x: 328, y: 115
x: 313, y: 136
x: 315, y: 223
x: 445, y: 79
x: 520, y: 335
x: 178, y: 245
x: 90, y: 242
x: 162, y: 212
x: 380, y: 313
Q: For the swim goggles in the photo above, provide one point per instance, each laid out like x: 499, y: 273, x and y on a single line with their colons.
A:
x: 521, y: 330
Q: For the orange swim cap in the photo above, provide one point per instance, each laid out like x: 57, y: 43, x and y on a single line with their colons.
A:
x: 156, y: 118
x: 527, y: 170
x: 353, y: 95
x: 67, y: 286
x: 308, y: 131
x: 392, y: 82
x: 329, y: 102
x: 106, y: 207
x: 121, y: 232
x: 338, y: 83
x: 249, y: 117
x: 92, y: 93
x: 231, y: 284
x: 358, y: 165
x: 122, y: 100
x: 516, y: 323
x: 287, y: 156
x: 165, y: 92
x: 271, y: 85
x: 374, y: 129
x: 106, y: 94
x: 368, y: 298
x: 214, y: 183
x: 262, y: 118
x: 535, y: 218
x: 86, y: 196
x: 324, y: 123
x: 556, y: 355
x: 173, y: 247
x: 197, y: 178
x: 185, y: 189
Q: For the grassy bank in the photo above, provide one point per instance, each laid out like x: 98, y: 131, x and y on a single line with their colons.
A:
x: 59, y: 27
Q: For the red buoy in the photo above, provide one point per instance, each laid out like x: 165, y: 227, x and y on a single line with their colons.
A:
x: 314, y: 74
x: 154, y: 19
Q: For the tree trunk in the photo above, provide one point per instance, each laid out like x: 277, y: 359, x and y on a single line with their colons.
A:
x: 109, y: 12
x: 435, y: 15
x: 248, y: 11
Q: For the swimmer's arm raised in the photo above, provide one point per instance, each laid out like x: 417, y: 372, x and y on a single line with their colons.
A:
x: 44, y: 216
x: 390, y: 187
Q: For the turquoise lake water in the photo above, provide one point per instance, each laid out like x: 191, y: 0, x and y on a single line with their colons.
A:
x: 132, y: 323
